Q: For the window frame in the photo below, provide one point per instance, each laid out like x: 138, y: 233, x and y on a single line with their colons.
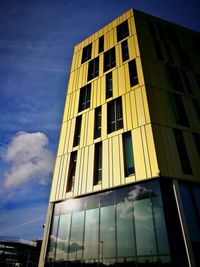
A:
x: 114, y: 115
x: 84, y: 98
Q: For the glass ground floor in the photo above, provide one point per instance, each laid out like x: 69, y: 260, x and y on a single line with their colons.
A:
x: 134, y: 225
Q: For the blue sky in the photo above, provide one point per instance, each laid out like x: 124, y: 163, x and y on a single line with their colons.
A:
x: 36, y: 47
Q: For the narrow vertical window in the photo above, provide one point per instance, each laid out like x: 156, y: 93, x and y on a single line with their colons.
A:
x: 77, y: 133
x: 152, y: 29
x: 128, y: 154
x: 93, y: 69
x: 98, y: 163
x: 114, y: 115
x: 86, y: 55
x: 169, y: 53
x: 186, y: 81
x: 109, y: 85
x: 122, y: 31
x: 71, y: 172
x: 97, y: 123
x: 109, y: 59
x: 161, y: 32
x: 196, y: 137
x: 125, y: 54
x: 196, y: 107
x: 179, y: 110
x: 84, y: 101
x: 158, y: 50
x: 101, y: 44
x: 175, y: 78
x: 182, y: 151
x: 133, y: 72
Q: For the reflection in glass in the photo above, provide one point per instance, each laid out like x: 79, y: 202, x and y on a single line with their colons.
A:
x: 91, y: 234
x: 76, y: 238
x: 145, y: 238
x: 107, y: 242
x: 125, y: 224
x: 52, y: 239
x: 160, y: 227
x: 63, y: 237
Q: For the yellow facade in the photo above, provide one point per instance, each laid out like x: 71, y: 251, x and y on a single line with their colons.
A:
x: 146, y: 113
x: 136, y: 118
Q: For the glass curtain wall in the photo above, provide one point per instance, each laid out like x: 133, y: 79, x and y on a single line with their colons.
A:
x: 120, y: 227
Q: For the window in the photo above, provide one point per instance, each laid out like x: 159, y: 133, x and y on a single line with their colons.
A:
x: 84, y: 101
x: 184, y: 58
x: 196, y: 107
x: 185, y: 163
x: 71, y: 172
x: 172, y: 36
x: 128, y: 154
x: 86, y: 55
x: 114, y: 115
x: 169, y: 53
x: 77, y: 133
x: 93, y: 69
x: 152, y: 29
x: 175, y: 78
x: 97, y: 123
x: 158, y: 50
x: 133, y: 72
x: 161, y: 32
x: 101, y: 44
x: 125, y: 54
x: 122, y: 31
x: 109, y: 85
x: 98, y: 163
x: 109, y: 59
x: 196, y: 137
x: 186, y: 81
x: 179, y: 110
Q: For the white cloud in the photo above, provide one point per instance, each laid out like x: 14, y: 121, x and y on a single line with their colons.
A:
x: 29, y: 158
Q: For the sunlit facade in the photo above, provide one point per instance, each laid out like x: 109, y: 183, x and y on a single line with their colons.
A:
x: 125, y: 190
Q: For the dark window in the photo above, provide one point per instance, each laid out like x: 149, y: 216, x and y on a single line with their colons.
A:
x: 86, y: 53
x: 133, y: 72
x: 122, y: 31
x: 109, y: 59
x: 109, y: 85
x: 185, y: 163
x: 77, y: 133
x: 93, y: 68
x: 84, y: 101
x: 197, y: 78
x: 97, y: 123
x: 152, y: 29
x: 71, y: 172
x: 196, y: 137
x: 179, y: 110
x: 128, y: 154
x: 114, y: 115
x: 125, y: 54
x: 186, y: 81
x: 184, y: 58
x: 169, y: 53
x: 101, y: 44
x: 172, y: 36
x: 98, y: 163
x: 161, y: 32
x: 175, y: 78
x: 158, y: 50
x: 196, y: 107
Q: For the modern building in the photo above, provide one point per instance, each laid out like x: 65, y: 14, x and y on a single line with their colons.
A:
x: 126, y: 184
